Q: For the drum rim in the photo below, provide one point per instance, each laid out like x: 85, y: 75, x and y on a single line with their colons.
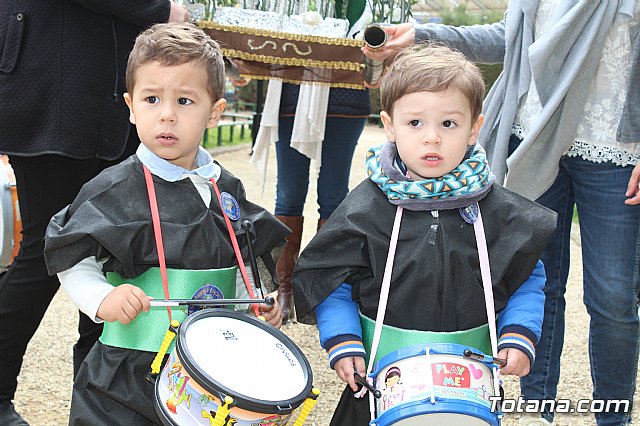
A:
x: 417, y: 350
x: 159, y: 407
x: 442, y: 406
x: 245, y: 402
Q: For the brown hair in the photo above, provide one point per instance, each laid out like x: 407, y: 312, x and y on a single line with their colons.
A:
x: 431, y: 68
x: 177, y: 44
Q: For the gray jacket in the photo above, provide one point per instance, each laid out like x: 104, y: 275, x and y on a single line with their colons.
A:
x: 562, y: 63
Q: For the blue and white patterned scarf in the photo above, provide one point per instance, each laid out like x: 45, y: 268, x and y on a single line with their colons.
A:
x: 465, y: 185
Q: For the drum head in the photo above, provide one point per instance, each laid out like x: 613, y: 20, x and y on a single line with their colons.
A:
x: 245, y: 358
x: 6, y: 218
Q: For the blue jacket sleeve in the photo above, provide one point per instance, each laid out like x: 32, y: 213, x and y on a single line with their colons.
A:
x: 520, y: 322
x: 339, y: 325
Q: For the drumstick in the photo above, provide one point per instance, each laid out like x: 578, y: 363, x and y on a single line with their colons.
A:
x: 246, y: 225
x: 468, y: 353
x: 269, y: 301
x: 364, y: 383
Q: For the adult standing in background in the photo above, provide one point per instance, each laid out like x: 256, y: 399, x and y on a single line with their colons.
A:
x: 62, y: 120
x: 347, y: 112
x: 564, y: 117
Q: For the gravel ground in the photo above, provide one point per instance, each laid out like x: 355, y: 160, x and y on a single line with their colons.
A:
x: 44, y: 390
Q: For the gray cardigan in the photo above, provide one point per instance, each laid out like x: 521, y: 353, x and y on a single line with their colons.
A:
x: 562, y: 63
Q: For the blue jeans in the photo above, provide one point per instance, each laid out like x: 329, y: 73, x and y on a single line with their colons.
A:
x: 340, y: 139
x: 610, y: 257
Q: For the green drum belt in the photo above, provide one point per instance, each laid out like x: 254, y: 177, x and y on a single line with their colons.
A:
x: 394, y: 338
x: 147, y: 330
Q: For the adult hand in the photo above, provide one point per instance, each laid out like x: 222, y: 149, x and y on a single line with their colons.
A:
x: 239, y: 83
x: 345, y: 367
x: 123, y: 304
x: 400, y: 37
x: 633, y: 190
x: 376, y: 84
x: 178, y: 12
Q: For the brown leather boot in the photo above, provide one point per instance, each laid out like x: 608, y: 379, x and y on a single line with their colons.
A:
x: 320, y: 223
x: 286, y: 263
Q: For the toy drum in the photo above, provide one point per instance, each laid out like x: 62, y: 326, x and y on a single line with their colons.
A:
x: 221, y: 353
x: 10, y: 222
x: 435, y: 385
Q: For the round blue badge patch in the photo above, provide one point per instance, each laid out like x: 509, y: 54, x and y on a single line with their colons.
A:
x: 206, y: 292
x: 230, y: 206
x: 470, y: 213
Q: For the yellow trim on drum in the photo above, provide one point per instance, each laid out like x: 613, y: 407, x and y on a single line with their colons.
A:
x: 307, y: 406
x: 168, y: 338
x: 222, y: 412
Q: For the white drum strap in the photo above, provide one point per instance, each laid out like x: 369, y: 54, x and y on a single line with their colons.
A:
x: 487, y: 285
x: 485, y: 272
x: 382, y: 306
x: 427, y: 352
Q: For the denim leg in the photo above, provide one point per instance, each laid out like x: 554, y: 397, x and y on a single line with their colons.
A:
x: 292, y: 182
x: 340, y: 139
x: 609, y: 234
x: 610, y: 257
x: 542, y: 381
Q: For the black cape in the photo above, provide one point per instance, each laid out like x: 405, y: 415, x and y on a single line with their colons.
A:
x: 111, y: 217
x: 436, y: 283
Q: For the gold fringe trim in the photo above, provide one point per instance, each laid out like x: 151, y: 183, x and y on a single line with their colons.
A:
x: 349, y: 42
x: 294, y: 81
x: 338, y: 65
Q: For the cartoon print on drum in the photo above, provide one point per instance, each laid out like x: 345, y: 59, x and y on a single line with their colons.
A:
x: 483, y: 392
x: 204, y: 400
x: 451, y: 375
x: 211, y: 416
x: 475, y: 372
x: 274, y: 420
x: 177, y: 386
x: 393, y: 392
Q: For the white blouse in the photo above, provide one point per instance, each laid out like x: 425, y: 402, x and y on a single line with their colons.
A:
x: 596, y: 137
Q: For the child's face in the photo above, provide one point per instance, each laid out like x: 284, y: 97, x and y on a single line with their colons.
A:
x: 432, y: 131
x: 171, y: 108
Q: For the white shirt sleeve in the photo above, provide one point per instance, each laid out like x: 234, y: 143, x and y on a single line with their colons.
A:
x: 85, y: 283
x: 86, y: 286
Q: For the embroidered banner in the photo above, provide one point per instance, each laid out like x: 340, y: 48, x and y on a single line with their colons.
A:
x: 294, y: 58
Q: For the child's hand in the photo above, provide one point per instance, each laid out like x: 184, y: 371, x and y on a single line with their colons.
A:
x: 272, y: 314
x: 517, y: 362
x: 345, y: 368
x: 123, y: 304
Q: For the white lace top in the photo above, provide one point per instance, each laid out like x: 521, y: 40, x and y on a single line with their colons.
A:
x: 596, y: 137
